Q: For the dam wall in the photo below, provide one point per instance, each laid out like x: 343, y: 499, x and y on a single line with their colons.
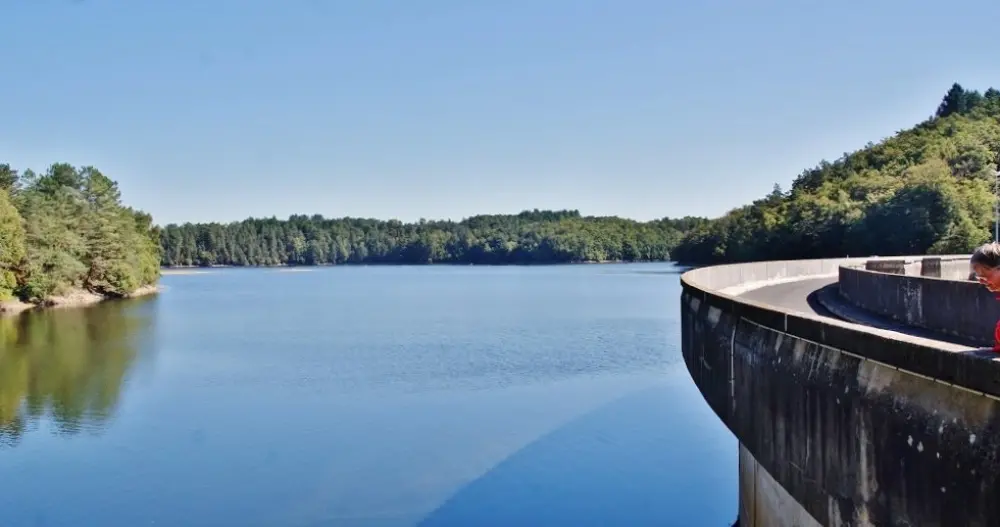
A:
x: 841, y: 424
x: 944, y: 302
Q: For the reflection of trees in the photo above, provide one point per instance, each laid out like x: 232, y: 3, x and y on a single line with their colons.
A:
x: 66, y: 364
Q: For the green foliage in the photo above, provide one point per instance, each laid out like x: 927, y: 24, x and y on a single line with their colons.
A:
x: 67, y: 229
x: 531, y: 237
x: 12, y: 249
x: 8, y: 177
x: 925, y: 190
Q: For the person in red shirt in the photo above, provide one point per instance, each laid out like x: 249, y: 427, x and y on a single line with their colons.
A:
x: 985, y: 266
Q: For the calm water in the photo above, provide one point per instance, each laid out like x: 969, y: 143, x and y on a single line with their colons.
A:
x: 364, y: 396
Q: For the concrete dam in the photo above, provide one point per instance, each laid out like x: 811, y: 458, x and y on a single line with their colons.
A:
x: 863, y: 391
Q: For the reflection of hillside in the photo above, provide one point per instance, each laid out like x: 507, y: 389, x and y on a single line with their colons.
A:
x: 67, y: 365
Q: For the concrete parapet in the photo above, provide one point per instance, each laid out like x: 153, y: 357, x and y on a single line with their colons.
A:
x: 748, y: 275
x: 930, y: 267
x: 952, y: 266
x: 955, y: 268
x: 961, y: 308
x: 858, y: 426
x: 886, y: 266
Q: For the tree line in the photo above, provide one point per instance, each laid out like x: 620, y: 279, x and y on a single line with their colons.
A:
x: 67, y: 229
x: 531, y: 237
x: 925, y: 190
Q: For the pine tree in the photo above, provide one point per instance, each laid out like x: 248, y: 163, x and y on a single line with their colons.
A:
x: 955, y: 101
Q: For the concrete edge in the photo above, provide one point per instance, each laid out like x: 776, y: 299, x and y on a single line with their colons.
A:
x: 946, y: 306
x: 973, y: 368
x: 831, y: 302
x: 829, y: 297
x: 738, y: 290
x: 909, y: 260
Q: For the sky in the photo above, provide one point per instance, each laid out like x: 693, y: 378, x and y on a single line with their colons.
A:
x: 224, y: 109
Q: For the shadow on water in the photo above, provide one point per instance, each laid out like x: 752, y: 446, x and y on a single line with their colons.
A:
x: 599, y: 470
x: 66, y: 366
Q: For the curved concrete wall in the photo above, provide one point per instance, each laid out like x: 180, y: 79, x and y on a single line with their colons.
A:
x: 952, y: 267
x: 956, y: 307
x: 855, y: 425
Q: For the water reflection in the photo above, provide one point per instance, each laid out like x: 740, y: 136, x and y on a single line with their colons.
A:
x: 66, y: 366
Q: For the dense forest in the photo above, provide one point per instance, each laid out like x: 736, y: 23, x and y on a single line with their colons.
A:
x: 925, y: 190
x: 67, y: 230
x: 531, y: 237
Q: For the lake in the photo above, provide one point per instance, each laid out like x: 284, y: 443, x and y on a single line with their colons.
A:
x: 364, y: 396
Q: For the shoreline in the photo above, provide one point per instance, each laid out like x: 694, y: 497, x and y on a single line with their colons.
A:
x: 196, y: 269
x: 75, y: 298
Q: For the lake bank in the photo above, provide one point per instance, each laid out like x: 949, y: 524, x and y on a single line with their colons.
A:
x: 73, y: 298
x: 181, y: 271
x: 202, y: 269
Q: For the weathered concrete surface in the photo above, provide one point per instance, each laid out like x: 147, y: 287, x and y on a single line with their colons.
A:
x: 955, y: 307
x: 742, y: 277
x: 763, y: 501
x: 859, y: 426
x: 931, y: 267
x: 952, y: 267
x: 820, y: 296
x: 834, y: 304
x: 886, y: 266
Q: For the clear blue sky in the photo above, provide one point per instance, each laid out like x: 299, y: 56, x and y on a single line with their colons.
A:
x: 209, y: 110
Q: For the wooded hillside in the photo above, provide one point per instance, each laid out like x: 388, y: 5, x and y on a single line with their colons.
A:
x: 928, y: 189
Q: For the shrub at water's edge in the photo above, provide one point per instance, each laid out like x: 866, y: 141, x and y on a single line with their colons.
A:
x: 531, y: 237
x: 928, y: 189
x: 66, y: 239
